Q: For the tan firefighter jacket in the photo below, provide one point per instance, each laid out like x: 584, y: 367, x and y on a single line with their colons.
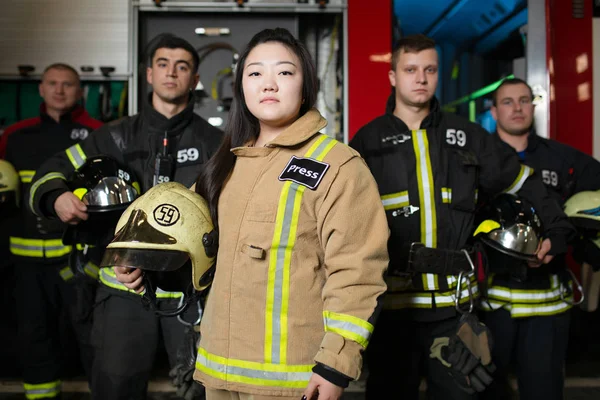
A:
x: 302, y: 254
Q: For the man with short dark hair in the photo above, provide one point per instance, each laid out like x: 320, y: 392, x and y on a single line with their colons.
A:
x: 529, y: 315
x: 430, y: 167
x: 167, y: 141
x: 45, y: 290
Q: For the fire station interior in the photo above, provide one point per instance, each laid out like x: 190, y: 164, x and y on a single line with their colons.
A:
x: 552, y: 44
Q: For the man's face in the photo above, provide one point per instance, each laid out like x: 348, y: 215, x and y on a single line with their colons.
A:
x: 171, y: 75
x: 513, y: 111
x: 60, y: 89
x: 415, y: 77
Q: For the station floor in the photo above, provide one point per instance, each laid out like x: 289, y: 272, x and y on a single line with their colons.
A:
x: 582, y: 367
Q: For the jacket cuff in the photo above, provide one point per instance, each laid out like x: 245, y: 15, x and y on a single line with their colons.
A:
x: 333, y: 376
x: 38, y: 197
x: 48, y: 200
x: 559, y: 244
x: 341, y: 355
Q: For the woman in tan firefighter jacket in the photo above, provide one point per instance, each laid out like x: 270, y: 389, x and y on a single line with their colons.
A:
x: 429, y: 166
x: 302, y: 239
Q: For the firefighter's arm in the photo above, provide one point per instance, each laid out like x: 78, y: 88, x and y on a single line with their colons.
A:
x: 501, y: 172
x: 357, y: 143
x: 586, y: 172
x: 556, y: 225
x: 354, y: 233
x: 49, y: 182
x: 360, y: 144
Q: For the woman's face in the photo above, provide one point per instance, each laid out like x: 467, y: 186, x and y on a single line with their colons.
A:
x: 272, y: 84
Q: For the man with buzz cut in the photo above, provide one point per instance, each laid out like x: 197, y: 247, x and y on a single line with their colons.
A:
x: 44, y: 284
x: 530, y: 316
x: 430, y: 167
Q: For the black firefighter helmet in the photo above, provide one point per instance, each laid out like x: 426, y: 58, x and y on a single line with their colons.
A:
x: 510, y: 225
x: 107, y: 189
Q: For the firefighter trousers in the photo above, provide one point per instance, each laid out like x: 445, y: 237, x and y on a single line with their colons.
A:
x: 50, y: 336
x: 215, y: 394
x: 398, y: 356
x: 126, y: 336
x: 536, y: 346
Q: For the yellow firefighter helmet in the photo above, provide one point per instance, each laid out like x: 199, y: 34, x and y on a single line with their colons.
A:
x: 583, y: 209
x: 9, y: 184
x: 164, y: 229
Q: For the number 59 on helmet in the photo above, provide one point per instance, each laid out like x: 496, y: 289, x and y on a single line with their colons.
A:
x: 164, y: 229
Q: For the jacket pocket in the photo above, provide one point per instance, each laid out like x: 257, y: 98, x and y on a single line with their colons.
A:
x: 254, y: 251
x: 262, y: 212
x: 463, y: 171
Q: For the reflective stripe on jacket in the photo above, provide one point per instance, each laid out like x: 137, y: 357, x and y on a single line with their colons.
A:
x: 429, y: 182
x: 300, y: 266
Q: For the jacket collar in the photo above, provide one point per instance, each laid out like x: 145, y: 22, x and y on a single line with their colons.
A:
x: 533, y: 140
x: 299, y: 132
x: 72, y: 115
x: 432, y: 120
x: 173, y: 125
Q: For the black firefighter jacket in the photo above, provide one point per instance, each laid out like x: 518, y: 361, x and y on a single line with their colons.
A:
x: 28, y: 144
x: 134, y: 142
x: 564, y: 171
x: 429, y: 181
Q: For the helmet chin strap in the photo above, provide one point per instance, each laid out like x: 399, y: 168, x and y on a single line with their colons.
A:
x: 149, y: 300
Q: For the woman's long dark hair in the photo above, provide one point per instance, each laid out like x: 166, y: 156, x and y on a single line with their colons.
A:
x: 242, y: 126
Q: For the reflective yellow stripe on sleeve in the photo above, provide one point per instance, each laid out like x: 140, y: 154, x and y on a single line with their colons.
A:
x: 108, y: 278
x: 66, y: 274
x: 41, y: 181
x: 522, y: 176
x: 348, y: 326
x: 91, y: 270
x: 395, y: 200
x: 76, y: 155
x: 446, y: 195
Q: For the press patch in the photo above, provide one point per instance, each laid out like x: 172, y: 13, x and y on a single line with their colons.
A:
x: 304, y: 171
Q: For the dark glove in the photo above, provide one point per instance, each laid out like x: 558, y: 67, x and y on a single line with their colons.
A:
x: 183, y: 373
x: 467, y: 354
